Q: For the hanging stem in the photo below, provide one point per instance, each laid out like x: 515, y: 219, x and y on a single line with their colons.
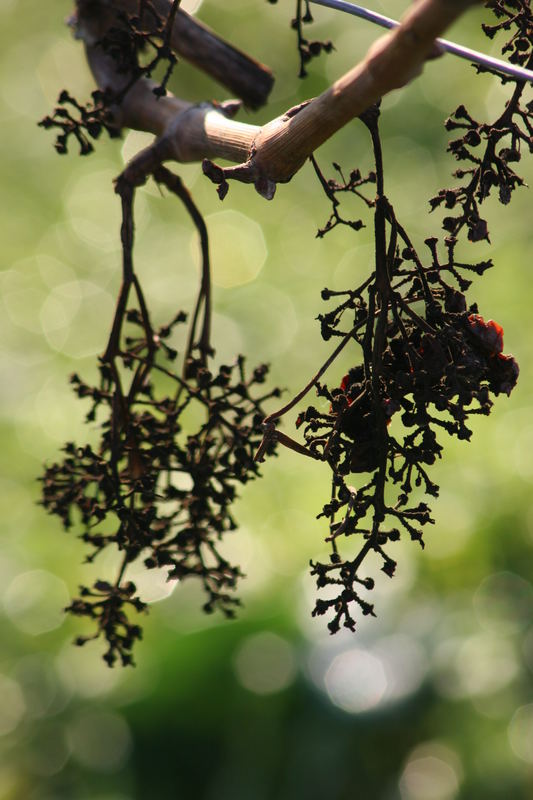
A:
x: 175, y: 185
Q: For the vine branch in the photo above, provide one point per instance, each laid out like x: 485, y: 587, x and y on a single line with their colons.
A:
x: 272, y: 153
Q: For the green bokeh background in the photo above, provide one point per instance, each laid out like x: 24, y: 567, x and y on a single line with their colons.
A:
x: 432, y: 700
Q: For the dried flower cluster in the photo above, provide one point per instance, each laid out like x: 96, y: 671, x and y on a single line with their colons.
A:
x: 83, y: 122
x: 306, y: 50
x: 124, y: 42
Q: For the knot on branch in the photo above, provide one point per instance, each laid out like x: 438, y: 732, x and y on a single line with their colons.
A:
x: 246, y: 173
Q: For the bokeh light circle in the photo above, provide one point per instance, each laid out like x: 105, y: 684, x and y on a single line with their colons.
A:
x: 35, y: 601
x: 265, y: 663
x: 237, y: 245
x: 432, y: 772
x: 520, y: 733
x: 356, y: 681
x: 100, y: 740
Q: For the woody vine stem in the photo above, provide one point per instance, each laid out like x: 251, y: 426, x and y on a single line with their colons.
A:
x: 425, y: 358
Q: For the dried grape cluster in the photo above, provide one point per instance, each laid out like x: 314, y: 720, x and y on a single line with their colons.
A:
x: 155, y: 491
x: 150, y: 487
x: 431, y: 371
x: 174, y: 444
x: 429, y: 360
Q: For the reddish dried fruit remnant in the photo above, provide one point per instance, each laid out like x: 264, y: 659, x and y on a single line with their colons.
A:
x: 504, y: 369
x: 489, y: 334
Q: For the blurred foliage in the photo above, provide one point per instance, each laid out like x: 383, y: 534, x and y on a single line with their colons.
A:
x: 431, y: 701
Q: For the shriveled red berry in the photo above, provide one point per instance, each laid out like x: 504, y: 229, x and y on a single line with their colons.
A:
x: 504, y: 373
x: 489, y: 334
x: 346, y: 382
x: 390, y: 408
x: 355, y: 375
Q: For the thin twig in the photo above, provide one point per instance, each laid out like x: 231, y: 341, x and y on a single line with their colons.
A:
x: 175, y: 184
